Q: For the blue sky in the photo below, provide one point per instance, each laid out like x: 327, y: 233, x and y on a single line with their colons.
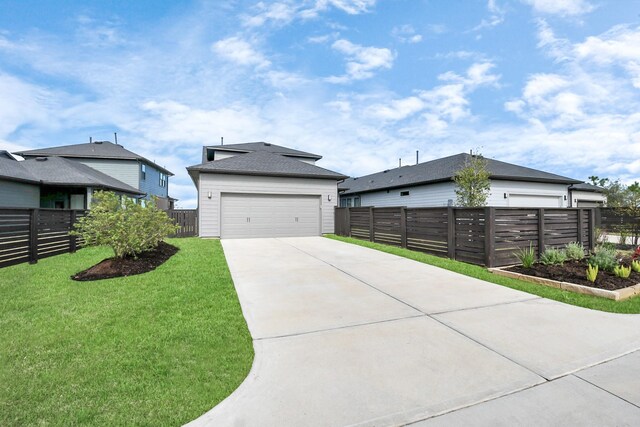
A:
x: 549, y: 84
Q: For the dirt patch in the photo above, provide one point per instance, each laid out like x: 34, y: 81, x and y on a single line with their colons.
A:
x: 575, y: 272
x: 121, y: 267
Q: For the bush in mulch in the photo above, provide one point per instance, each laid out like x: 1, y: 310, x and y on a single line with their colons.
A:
x: 128, y: 266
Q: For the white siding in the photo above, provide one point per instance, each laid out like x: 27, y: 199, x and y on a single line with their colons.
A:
x: 586, y: 196
x: 19, y: 195
x: 437, y: 194
x: 209, y: 208
x: 127, y: 171
x: 521, y: 189
x: 219, y: 155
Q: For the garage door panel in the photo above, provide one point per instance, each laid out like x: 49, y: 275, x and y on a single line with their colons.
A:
x: 269, y: 215
x: 534, y: 201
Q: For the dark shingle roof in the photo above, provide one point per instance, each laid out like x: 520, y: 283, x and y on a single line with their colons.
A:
x: 584, y: 186
x: 15, y: 171
x: 444, y: 170
x: 62, y: 172
x: 97, y: 150
x: 249, y: 147
x: 265, y: 164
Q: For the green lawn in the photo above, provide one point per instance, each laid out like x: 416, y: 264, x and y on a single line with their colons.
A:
x: 628, y: 306
x: 156, y: 349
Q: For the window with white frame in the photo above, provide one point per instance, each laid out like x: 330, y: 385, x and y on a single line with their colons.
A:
x: 143, y: 171
x: 163, y: 179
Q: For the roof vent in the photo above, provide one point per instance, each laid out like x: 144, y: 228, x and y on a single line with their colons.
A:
x: 41, y: 159
x: 267, y: 144
x: 98, y: 142
x: 386, y: 171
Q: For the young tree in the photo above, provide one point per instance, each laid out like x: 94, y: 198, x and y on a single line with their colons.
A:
x: 128, y: 227
x: 631, y: 208
x: 614, y: 190
x: 472, y: 182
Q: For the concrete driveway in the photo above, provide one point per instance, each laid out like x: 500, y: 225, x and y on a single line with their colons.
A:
x: 346, y: 335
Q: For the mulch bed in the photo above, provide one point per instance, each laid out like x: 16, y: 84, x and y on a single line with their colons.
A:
x: 121, y: 267
x: 575, y: 272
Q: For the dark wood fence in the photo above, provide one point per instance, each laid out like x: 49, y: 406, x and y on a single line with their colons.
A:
x: 187, y: 219
x: 611, y: 219
x: 484, y: 236
x: 27, y: 235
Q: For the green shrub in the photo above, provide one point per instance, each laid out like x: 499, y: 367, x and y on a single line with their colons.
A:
x: 574, y: 251
x: 604, y: 257
x: 592, y: 273
x: 622, y: 271
x: 126, y: 226
x: 635, y: 266
x: 599, y: 235
x: 552, y: 256
x: 526, y: 256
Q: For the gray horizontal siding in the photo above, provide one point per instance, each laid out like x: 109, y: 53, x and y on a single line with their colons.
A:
x: 126, y: 171
x: 19, y: 195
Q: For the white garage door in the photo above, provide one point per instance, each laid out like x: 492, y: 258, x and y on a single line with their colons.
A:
x: 534, y: 201
x: 269, y: 215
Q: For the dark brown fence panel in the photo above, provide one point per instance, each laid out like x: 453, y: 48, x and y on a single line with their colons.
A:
x: 386, y: 226
x: 484, y: 236
x: 611, y: 220
x: 187, y: 219
x: 360, y: 220
x: 53, y: 233
x: 14, y: 236
x: 515, y: 229
x: 469, y: 235
x: 427, y: 230
x: 560, y: 227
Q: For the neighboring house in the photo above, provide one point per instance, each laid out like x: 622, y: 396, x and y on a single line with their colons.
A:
x: 116, y: 161
x: 54, y: 182
x: 431, y: 184
x: 263, y: 190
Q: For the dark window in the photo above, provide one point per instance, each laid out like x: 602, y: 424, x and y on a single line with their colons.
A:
x: 143, y: 171
x: 343, y: 203
x: 356, y: 202
x: 404, y: 193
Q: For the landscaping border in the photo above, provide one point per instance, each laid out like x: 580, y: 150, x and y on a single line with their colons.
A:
x: 617, y: 295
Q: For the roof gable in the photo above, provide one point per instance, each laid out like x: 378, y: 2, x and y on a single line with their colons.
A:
x: 444, y: 169
x: 265, y: 164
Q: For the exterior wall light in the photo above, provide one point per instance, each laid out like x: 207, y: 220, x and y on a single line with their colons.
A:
x: 209, y: 194
x: 506, y: 195
x: 329, y: 197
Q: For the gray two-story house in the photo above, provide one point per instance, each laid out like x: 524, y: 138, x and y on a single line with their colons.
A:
x: 132, y: 169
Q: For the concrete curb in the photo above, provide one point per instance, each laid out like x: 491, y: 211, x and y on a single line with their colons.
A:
x: 617, y: 295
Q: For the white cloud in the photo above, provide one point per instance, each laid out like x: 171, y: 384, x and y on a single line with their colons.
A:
x: 362, y: 61
x: 496, y: 16
x: 351, y: 7
x: 406, y: 34
x: 561, y: 7
x: 278, y: 12
x: 239, y: 51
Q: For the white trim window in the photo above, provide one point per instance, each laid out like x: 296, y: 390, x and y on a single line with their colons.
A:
x: 143, y: 171
x: 163, y: 179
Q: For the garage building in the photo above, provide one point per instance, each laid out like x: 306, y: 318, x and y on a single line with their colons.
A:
x: 263, y: 190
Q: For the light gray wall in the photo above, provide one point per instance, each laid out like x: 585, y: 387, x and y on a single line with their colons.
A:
x: 439, y: 194
x: 127, y: 171
x: 19, y: 195
x: 421, y: 196
x: 209, y: 208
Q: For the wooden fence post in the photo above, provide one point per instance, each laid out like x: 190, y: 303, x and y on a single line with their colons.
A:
x: 72, y: 239
x: 540, y: 232
x: 451, y: 232
x: 371, y: 232
x: 403, y: 227
x: 580, y: 227
x: 33, y: 236
x: 489, y: 237
x: 347, y: 221
x: 592, y: 227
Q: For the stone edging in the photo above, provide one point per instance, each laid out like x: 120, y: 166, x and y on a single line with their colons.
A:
x: 617, y: 295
